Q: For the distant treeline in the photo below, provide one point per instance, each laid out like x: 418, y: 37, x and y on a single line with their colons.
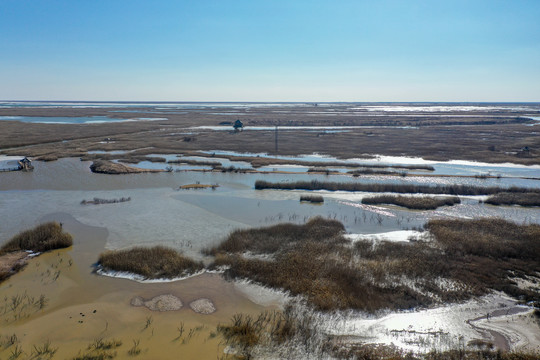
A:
x: 395, y: 188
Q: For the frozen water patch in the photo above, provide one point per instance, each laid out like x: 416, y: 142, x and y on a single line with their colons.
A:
x: 441, y: 328
x: 262, y: 295
x: 140, y: 278
x: 392, y: 236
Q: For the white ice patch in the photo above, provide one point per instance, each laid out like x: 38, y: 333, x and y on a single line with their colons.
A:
x: 142, y: 279
x: 392, y: 236
x: 262, y: 295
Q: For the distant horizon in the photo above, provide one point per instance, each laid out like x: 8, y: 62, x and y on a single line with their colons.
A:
x: 263, y: 102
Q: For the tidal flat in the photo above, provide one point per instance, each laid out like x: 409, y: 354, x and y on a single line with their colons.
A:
x: 202, y: 189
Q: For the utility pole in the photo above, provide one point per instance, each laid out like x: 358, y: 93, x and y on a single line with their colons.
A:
x: 276, y: 139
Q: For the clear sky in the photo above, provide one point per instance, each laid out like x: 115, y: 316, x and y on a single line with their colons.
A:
x: 273, y: 50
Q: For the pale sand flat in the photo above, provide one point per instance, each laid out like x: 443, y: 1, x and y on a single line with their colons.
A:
x: 202, y: 306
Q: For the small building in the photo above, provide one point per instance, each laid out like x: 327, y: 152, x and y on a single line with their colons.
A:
x: 25, y: 164
x: 238, y: 125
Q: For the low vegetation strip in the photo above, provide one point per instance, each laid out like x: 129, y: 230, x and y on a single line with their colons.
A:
x: 464, y: 258
x: 521, y: 199
x: 152, y: 263
x: 98, y: 201
x: 198, y: 186
x: 261, y: 161
x: 415, y: 203
x: 312, y: 198
x: 112, y: 168
x: 395, y: 188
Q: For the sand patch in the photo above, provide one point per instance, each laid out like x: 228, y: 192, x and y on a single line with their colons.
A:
x: 166, y: 302
x: 203, y: 306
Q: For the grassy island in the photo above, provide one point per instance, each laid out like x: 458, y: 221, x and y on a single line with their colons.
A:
x: 156, y: 262
x: 410, y: 202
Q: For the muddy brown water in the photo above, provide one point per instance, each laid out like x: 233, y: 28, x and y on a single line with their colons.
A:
x: 82, y: 307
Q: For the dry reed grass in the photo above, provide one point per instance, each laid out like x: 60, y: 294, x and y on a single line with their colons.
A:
x: 464, y: 259
x: 521, y: 199
x: 44, y: 237
x: 153, y: 263
x: 395, y: 188
x: 415, y: 203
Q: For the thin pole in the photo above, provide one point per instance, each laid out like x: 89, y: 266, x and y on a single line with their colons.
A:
x: 276, y: 138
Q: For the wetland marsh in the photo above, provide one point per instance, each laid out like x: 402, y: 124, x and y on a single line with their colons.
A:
x: 196, y: 186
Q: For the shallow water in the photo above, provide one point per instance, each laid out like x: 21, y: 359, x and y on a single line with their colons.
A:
x: 73, y: 120
x: 190, y: 220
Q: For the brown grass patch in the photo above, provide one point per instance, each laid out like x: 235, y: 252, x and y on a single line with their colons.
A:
x: 395, y: 188
x: 415, y: 203
x: 112, y: 168
x: 153, y: 263
x: 316, y: 261
x: 523, y: 199
x: 42, y: 238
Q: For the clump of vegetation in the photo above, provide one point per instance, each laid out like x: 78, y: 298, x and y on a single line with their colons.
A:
x: 312, y: 198
x: 410, y: 202
x: 395, y: 188
x: 112, y: 168
x: 153, y: 263
x: 100, y: 349
x: 44, y: 237
x: 316, y: 261
x: 521, y: 199
x: 98, y: 201
x: 368, y: 171
x: 285, y: 335
x: 230, y: 168
x: 194, y: 162
x: 198, y: 186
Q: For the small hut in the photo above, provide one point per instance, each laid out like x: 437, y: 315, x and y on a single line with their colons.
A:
x: 238, y: 125
x: 25, y: 164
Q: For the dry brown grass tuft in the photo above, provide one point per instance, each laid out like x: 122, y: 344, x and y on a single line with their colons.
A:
x: 153, y: 263
x: 521, y: 199
x: 42, y: 238
x: 415, y: 203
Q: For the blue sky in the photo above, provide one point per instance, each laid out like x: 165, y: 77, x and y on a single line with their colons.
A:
x: 295, y: 50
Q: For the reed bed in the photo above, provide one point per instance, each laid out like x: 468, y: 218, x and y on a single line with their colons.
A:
x: 317, y: 199
x: 315, y: 261
x: 414, y: 203
x: 44, y: 237
x: 153, y: 263
x: 194, y: 162
x: 395, y: 188
x: 98, y: 201
x: 369, y: 171
x: 521, y: 199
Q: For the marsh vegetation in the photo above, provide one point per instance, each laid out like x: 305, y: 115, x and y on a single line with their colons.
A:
x: 521, y: 199
x: 454, y: 189
x: 44, y: 237
x: 461, y: 259
x: 152, y: 263
x: 412, y: 202
x: 317, y: 199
